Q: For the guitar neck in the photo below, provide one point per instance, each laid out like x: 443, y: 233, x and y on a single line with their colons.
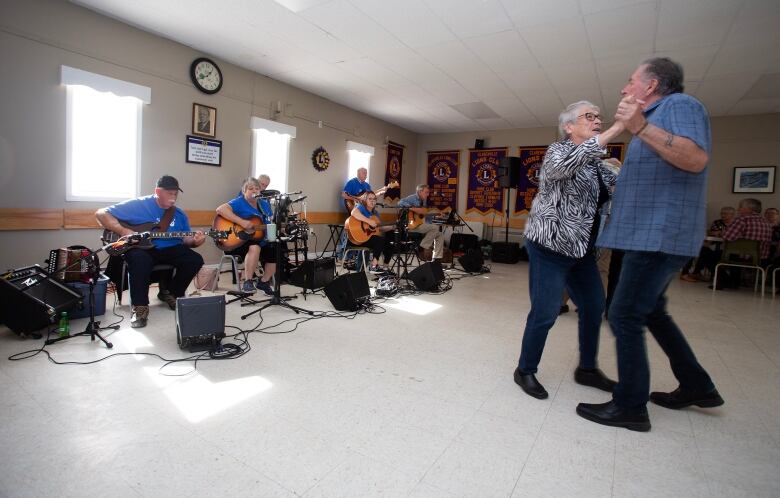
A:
x: 170, y: 235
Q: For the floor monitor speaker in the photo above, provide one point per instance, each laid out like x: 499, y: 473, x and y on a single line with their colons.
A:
x: 472, y: 261
x: 314, y: 274
x: 505, y: 252
x: 348, y: 291
x: 200, y: 322
x: 427, y: 276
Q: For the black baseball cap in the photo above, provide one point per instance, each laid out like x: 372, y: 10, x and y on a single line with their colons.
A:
x: 168, y: 182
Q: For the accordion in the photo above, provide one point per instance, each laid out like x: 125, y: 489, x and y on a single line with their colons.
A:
x: 72, y: 264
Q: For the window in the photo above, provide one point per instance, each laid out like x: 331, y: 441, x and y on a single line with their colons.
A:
x: 103, y: 136
x: 271, y: 151
x: 359, y: 157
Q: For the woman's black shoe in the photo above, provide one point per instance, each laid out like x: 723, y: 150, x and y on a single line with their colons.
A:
x: 530, y: 385
x: 594, y: 378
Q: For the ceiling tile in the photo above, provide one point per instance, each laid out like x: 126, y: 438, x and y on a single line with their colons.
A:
x: 561, y: 41
x: 622, y: 31
x: 469, y: 18
x: 455, y: 59
x: 525, y: 13
x: 694, y: 23
x: 501, y: 51
x: 409, y: 20
x: 594, y: 6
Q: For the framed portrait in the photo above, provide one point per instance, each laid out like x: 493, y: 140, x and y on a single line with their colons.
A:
x: 754, y: 180
x: 204, y: 120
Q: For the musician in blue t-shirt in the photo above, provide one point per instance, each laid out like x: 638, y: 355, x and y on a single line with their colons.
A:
x: 123, y: 219
x: 365, y: 211
x: 240, y: 211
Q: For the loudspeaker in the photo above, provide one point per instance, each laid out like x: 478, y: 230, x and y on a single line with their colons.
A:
x: 479, y: 143
x: 462, y: 242
x: 427, y: 276
x: 314, y: 274
x: 30, y: 299
x: 509, y: 172
x: 200, y: 322
x: 505, y: 252
x: 348, y: 291
x: 472, y: 261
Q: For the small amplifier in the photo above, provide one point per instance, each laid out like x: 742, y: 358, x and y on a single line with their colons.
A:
x: 200, y: 322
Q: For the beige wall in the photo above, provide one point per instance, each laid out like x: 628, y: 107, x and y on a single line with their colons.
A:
x: 38, y: 36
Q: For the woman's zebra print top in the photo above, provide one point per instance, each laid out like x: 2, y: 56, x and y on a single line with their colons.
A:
x: 562, y: 213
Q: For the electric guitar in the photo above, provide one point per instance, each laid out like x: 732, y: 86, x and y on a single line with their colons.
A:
x: 351, y: 200
x: 358, y: 232
x: 142, y: 239
x: 237, y: 236
x: 416, y: 219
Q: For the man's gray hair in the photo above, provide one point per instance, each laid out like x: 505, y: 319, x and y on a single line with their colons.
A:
x: 668, y: 73
x: 728, y: 209
x: 263, y: 177
x: 752, y: 204
x: 421, y: 187
x: 569, y: 115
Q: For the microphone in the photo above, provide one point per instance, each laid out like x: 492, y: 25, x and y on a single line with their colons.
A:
x: 294, y: 193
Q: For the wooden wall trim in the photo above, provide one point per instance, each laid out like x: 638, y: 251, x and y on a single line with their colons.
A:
x: 54, y: 219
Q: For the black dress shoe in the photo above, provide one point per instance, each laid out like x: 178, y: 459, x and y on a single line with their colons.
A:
x: 633, y: 419
x: 530, y: 385
x: 564, y: 309
x: 594, y: 378
x: 680, y: 399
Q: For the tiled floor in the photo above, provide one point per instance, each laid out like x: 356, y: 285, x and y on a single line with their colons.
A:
x: 418, y: 401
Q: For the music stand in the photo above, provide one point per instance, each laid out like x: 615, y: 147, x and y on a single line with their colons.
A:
x: 282, y: 205
x: 93, y: 327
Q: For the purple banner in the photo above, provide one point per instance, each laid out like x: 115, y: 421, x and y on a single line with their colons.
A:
x: 443, y: 178
x: 484, y: 195
x: 531, y: 159
x: 395, y: 161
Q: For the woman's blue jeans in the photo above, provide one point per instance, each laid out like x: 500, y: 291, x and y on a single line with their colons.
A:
x: 549, y: 273
x: 640, y: 301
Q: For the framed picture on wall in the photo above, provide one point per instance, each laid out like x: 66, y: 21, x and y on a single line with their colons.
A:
x: 754, y: 180
x: 204, y: 120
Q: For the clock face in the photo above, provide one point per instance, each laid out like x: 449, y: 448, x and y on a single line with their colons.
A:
x: 206, y: 75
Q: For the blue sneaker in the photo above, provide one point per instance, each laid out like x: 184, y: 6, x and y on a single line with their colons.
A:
x: 264, y: 286
x: 248, y: 287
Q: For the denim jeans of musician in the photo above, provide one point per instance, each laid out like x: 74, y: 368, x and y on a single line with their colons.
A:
x: 640, y: 301
x: 548, y: 275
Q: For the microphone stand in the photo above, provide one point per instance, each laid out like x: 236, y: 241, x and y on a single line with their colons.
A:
x: 93, y: 327
x: 277, y: 299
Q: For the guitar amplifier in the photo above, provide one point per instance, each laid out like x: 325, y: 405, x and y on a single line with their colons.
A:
x: 30, y: 299
x: 505, y: 252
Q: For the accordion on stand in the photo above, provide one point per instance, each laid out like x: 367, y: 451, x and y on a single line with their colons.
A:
x: 75, y: 264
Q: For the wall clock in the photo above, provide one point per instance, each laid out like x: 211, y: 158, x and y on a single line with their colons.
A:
x: 205, y: 75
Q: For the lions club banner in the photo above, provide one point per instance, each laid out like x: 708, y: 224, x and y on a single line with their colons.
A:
x: 531, y: 159
x: 395, y: 161
x: 484, y: 195
x: 443, y: 178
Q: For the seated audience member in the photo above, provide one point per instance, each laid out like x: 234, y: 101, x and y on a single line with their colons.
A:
x: 707, y: 255
x: 748, y: 225
x: 240, y: 210
x: 772, y: 216
x: 418, y: 204
x: 177, y: 252
x: 363, y: 211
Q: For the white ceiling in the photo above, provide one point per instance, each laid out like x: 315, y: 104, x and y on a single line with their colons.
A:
x: 421, y: 63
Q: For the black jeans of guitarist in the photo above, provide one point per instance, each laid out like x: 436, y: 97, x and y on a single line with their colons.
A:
x: 139, y: 267
x: 379, y: 246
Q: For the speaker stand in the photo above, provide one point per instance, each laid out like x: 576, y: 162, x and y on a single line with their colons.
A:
x: 93, y: 327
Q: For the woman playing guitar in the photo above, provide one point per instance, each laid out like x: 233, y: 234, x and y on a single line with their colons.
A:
x: 364, y: 221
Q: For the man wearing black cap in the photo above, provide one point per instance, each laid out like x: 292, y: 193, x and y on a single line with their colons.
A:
x: 158, y: 209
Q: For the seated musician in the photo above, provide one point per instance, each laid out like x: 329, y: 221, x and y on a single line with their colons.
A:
x: 152, y: 209
x: 417, y: 203
x: 239, y: 211
x: 364, y: 211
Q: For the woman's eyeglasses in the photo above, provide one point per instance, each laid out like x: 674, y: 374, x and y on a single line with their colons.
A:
x: 590, y: 116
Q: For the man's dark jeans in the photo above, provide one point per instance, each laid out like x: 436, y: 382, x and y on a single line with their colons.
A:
x: 640, y: 301
x: 139, y: 267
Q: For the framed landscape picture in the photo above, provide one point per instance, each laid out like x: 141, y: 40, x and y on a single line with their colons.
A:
x: 754, y: 180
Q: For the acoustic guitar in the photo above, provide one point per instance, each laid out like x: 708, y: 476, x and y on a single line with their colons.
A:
x: 237, y: 236
x: 142, y: 239
x: 358, y: 232
x: 351, y: 200
x: 415, y: 219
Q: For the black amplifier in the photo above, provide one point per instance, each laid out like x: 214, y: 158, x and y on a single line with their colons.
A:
x: 30, y: 299
x: 314, y: 274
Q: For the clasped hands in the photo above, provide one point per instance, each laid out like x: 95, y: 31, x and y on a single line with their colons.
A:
x: 629, y: 114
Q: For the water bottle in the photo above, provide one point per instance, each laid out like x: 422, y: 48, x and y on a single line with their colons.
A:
x: 64, y: 328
